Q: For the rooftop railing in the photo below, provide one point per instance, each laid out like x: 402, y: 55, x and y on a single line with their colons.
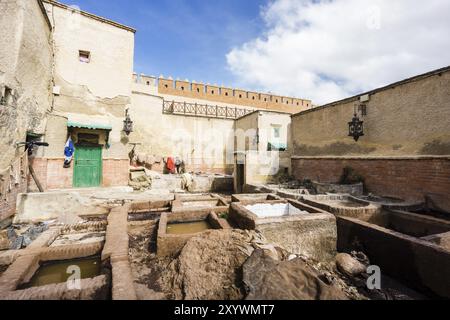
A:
x: 204, y: 110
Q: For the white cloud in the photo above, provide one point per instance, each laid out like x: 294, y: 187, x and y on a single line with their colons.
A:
x: 328, y: 50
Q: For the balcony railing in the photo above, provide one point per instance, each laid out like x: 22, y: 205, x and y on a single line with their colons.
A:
x: 203, y: 110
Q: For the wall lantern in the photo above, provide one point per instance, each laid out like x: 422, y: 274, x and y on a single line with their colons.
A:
x: 127, y: 124
x: 356, y: 127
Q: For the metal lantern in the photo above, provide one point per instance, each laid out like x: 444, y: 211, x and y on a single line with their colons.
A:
x: 127, y: 124
x: 356, y: 128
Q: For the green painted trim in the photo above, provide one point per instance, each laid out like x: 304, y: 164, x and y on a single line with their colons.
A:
x: 71, y: 124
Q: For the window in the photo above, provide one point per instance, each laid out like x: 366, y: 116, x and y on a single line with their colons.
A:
x: 148, y: 83
x: 362, y: 108
x: 166, y: 86
x: 84, y: 56
x: 240, y: 96
x: 276, y: 132
x: 182, y: 88
x: 226, y: 93
x: 212, y: 92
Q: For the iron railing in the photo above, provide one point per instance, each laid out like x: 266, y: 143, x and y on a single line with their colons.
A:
x: 203, y: 110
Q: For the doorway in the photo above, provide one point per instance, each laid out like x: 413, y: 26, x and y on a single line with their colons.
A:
x: 88, y: 166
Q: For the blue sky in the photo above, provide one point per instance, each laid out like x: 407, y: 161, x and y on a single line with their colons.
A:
x: 320, y: 50
x: 184, y: 38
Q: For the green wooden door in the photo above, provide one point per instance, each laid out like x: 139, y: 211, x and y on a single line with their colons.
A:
x: 88, y: 167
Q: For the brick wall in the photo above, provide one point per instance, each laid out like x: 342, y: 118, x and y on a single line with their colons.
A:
x: 115, y: 172
x: 406, y: 178
x: 232, y: 96
x: 52, y: 175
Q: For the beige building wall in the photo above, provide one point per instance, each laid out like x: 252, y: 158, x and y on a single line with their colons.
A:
x: 26, y: 69
x: 253, y: 134
x: 205, y: 144
x: 99, y: 90
x: 405, y: 119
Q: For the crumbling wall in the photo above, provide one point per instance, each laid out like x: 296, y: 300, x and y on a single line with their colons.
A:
x: 97, y: 92
x: 25, y: 74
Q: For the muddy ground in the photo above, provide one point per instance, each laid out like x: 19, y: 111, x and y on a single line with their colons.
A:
x: 148, y: 269
x: 3, y: 269
x: 146, y: 266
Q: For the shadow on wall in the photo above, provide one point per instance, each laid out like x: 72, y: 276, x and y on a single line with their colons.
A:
x: 335, y: 149
x: 436, y: 147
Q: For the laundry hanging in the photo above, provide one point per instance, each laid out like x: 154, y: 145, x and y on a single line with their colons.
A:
x: 69, y: 150
x: 170, y: 165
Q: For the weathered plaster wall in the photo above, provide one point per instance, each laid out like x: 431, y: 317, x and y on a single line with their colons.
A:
x: 253, y: 133
x: 26, y: 68
x: 404, y: 120
x: 100, y: 89
x: 205, y: 144
x: 404, y: 152
x: 246, y: 129
x: 108, y: 75
x: 266, y: 122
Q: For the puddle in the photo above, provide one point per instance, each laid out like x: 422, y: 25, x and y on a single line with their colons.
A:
x: 274, y: 210
x: 188, y: 227
x: 56, y: 272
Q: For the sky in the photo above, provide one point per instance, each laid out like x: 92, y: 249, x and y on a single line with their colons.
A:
x: 322, y: 50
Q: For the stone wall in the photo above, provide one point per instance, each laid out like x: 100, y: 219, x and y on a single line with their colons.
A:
x: 409, y: 179
x: 25, y: 74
